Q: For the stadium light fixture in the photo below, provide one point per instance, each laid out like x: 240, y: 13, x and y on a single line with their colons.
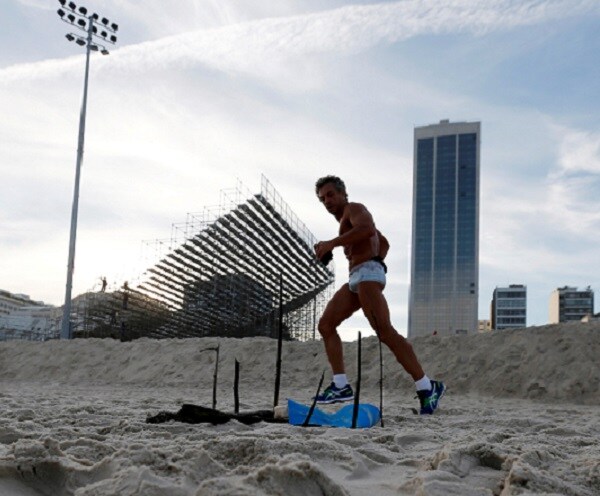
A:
x: 79, y: 18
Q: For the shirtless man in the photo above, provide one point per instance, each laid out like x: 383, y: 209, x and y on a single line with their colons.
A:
x: 365, y: 247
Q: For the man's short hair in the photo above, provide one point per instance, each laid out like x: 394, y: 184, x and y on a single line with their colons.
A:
x: 336, y: 181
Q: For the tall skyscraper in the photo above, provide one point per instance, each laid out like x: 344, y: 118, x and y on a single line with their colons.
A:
x: 509, y: 307
x: 445, y: 229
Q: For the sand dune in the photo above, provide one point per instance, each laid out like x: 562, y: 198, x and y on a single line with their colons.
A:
x: 521, y: 416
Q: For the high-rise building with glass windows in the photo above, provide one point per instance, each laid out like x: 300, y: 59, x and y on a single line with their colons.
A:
x: 445, y: 229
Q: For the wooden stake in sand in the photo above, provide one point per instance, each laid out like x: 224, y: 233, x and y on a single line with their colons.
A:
x: 380, y: 370
x: 236, y: 384
x: 357, y: 392
x: 215, y: 374
x: 314, y: 403
x: 279, y: 343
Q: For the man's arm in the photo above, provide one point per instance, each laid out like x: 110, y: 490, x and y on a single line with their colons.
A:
x: 384, y: 245
x: 362, y: 228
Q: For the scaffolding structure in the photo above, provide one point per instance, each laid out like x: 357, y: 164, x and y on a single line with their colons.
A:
x: 234, y: 270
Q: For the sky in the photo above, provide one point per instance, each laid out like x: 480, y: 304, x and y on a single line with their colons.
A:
x: 202, y: 94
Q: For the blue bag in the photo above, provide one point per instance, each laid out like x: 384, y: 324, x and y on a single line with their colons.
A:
x: 368, y: 415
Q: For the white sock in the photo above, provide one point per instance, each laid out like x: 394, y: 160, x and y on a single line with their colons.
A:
x: 340, y: 380
x: 423, y: 384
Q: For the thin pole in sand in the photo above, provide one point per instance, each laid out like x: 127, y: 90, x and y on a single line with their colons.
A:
x: 314, y: 331
x: 279, y: 343
x: 214, y: 402
x: 314, y: 403
x: 236, y: 384
x: 380, y: 371
x: 357, y: 393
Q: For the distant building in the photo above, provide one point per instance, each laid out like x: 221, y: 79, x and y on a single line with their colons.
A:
x: 591, y: 318
x: 509, y: 307
x: 484, y: 326
x: 569, y: 303
x: 445, y: 229
x: 23, y: 318
x: 9, y: 302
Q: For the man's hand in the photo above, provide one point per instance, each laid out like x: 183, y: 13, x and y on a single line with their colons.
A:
x: 322, y: 248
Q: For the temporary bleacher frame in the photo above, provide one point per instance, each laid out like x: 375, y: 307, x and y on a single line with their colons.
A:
x: 222, y: 273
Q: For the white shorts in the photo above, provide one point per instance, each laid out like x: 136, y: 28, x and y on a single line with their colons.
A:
x: 366, y: 271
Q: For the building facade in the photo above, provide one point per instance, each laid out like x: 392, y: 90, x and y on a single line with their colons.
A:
x: 569, y: 303
x: 509, y: 307
x: 484, y: 325
x: 23, y: 318
x: 9, y: 302
x: 445, y: 229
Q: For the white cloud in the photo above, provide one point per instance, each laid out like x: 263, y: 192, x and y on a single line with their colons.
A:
x: 574, y: 184
x: 40, y: 4
x: 579, y: 151
x: 251, y: 47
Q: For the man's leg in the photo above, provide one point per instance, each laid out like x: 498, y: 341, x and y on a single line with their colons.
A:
x: 376, y: 310
x: 343, y: 304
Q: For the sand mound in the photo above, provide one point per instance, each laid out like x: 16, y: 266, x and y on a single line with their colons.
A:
x: 550, y: 363
x: 72, y: 420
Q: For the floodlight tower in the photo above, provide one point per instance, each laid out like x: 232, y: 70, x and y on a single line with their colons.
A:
x: 103, y: 29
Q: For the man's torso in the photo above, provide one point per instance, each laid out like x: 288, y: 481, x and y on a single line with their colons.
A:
x: 361, y: 251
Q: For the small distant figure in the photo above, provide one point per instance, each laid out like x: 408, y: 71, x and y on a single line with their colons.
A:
x: 104, y: 284
x: 125, y: 295
x: 435, y: 333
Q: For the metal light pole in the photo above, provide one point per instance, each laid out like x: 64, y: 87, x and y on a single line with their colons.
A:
x: 103, y: 29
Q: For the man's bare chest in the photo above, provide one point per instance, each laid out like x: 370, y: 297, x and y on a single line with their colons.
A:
x: 345, y: 225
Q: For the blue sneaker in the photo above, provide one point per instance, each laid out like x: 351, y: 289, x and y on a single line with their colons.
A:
x: 333, y: 394
x: 430, y: 399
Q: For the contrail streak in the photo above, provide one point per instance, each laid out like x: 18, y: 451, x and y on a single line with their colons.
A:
x: 244, y: 47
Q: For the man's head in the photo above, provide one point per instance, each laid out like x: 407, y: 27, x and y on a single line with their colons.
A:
x: 336, y: 181
x: 331, y: 191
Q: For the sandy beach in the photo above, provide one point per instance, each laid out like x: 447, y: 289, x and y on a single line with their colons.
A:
x: 521, y: 416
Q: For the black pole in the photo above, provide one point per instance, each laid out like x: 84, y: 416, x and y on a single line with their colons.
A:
x: 214, y: 402
x: 279, y: 344
x: 357, y: 393
x: 314, y: 331
x: 380, y: 370
x: 314, y: 403
x: 236, y: 384
x: 380, y: 384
